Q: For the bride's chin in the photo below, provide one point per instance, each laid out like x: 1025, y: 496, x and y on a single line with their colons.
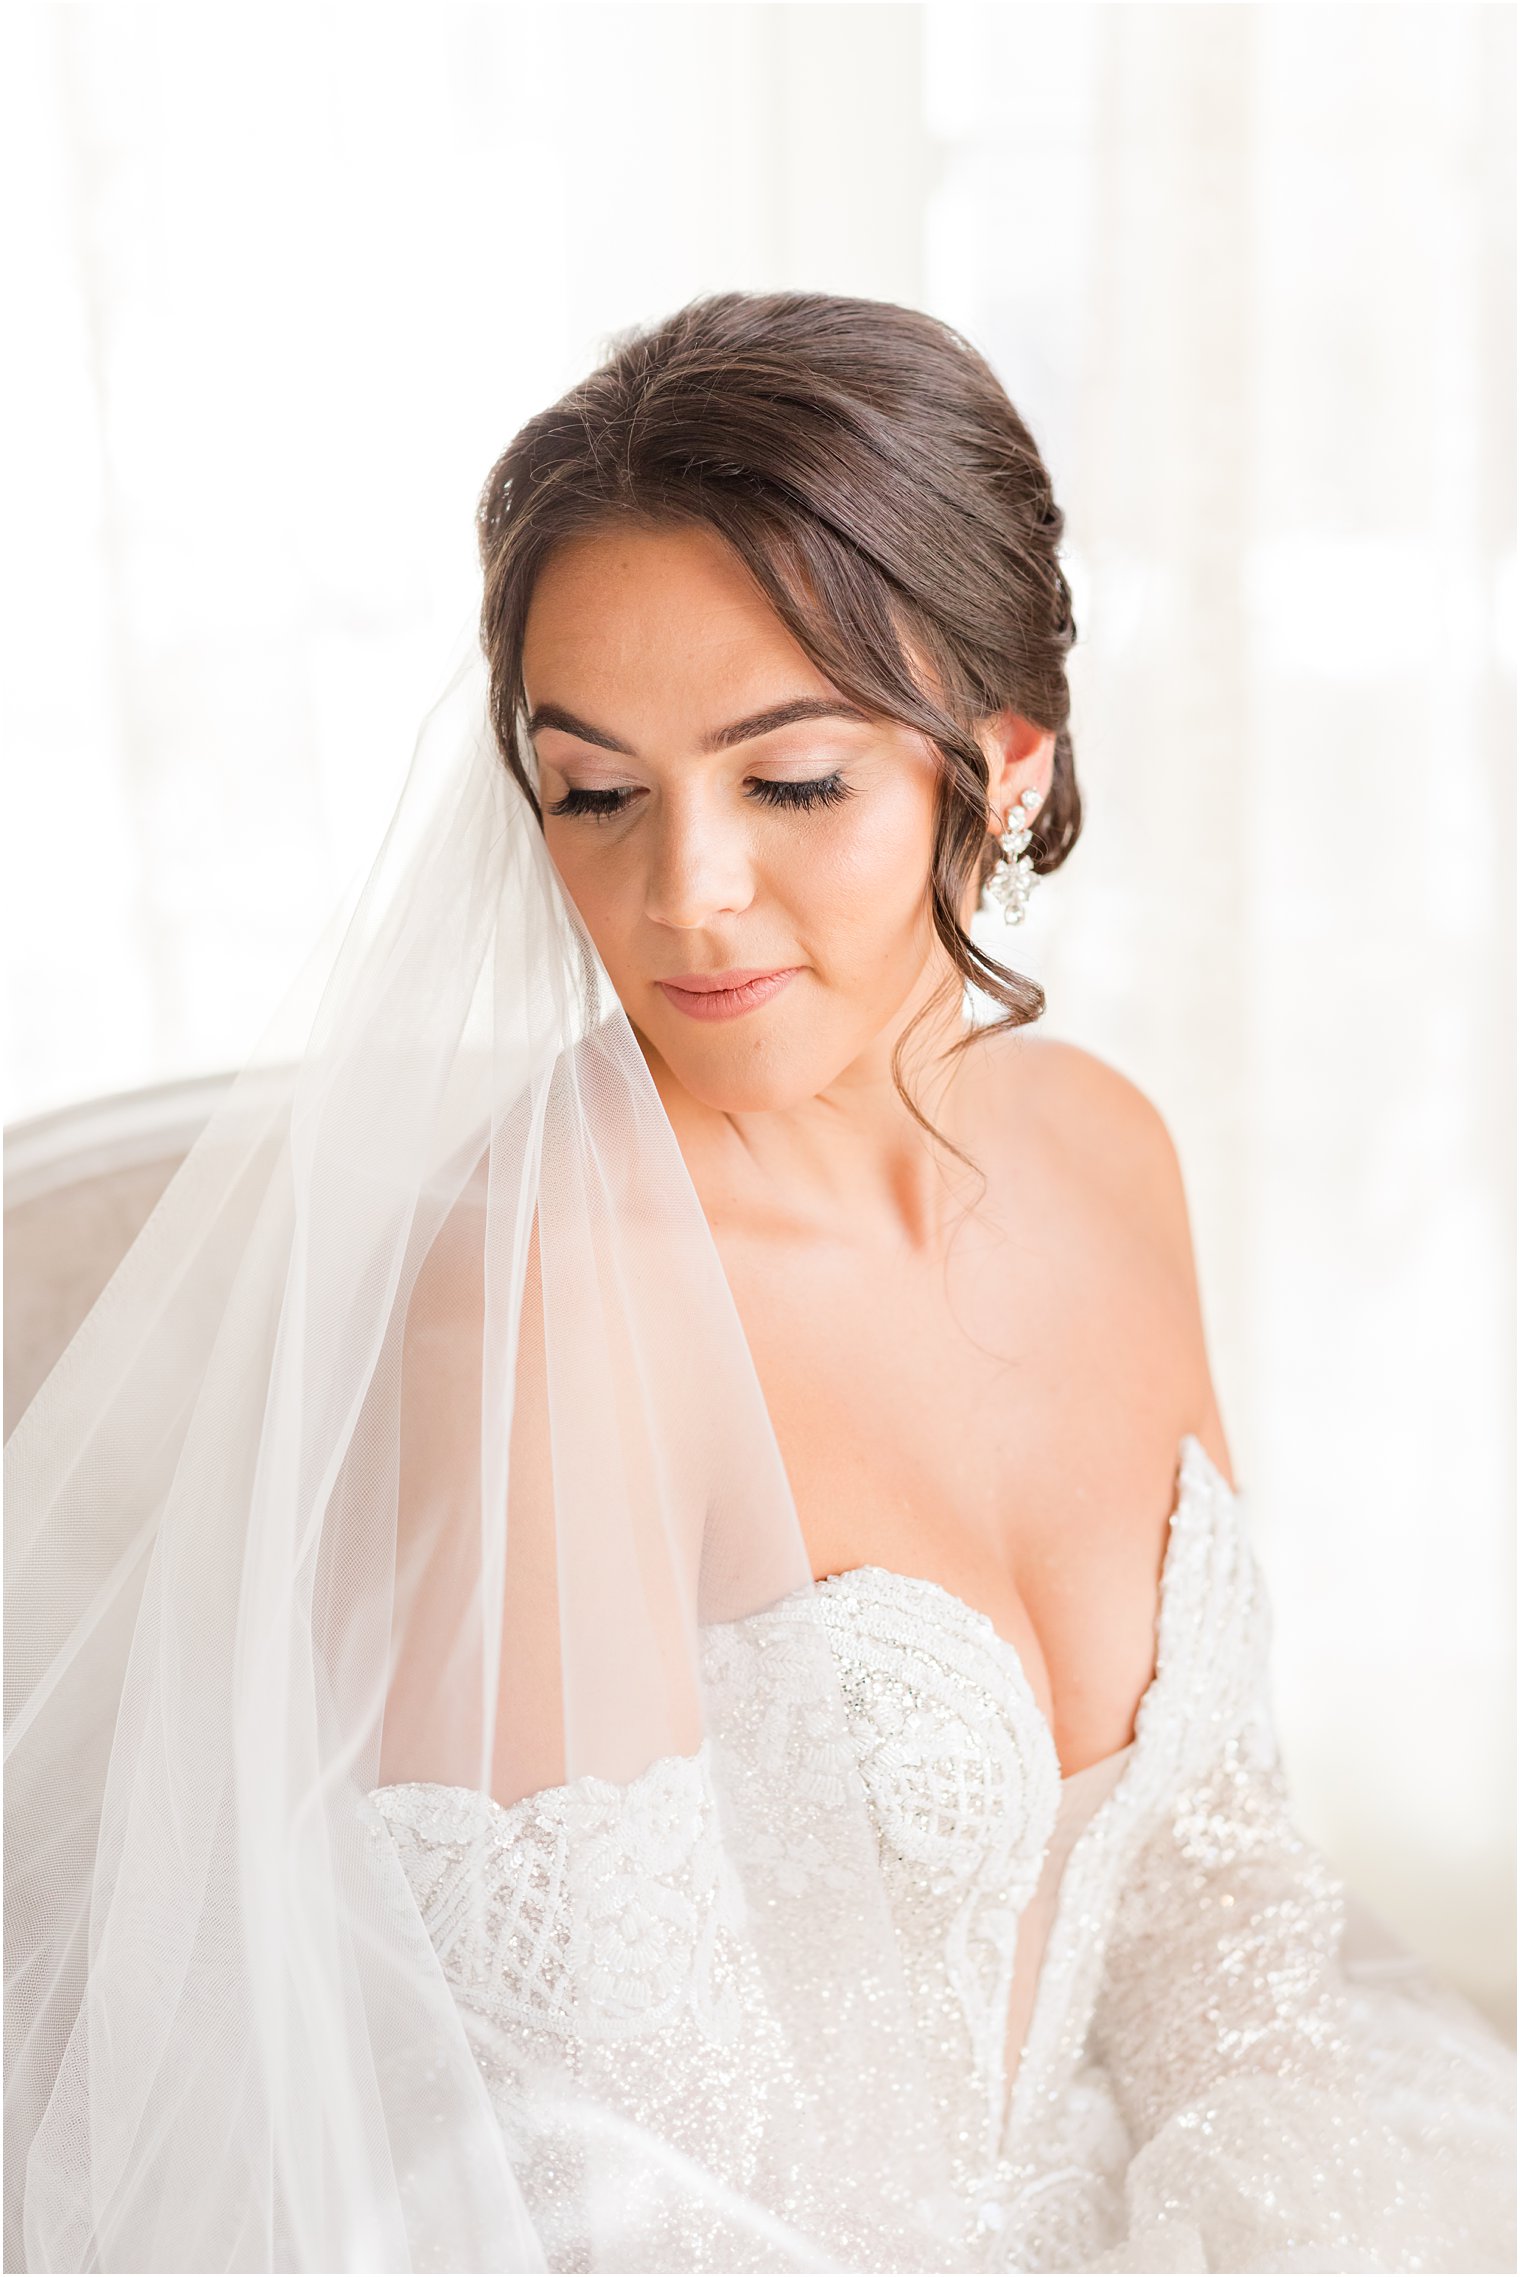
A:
x: 727, y: 1078
x: 756, y: 1089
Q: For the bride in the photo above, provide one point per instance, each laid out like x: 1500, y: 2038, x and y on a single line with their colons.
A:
x: 631, y: 1639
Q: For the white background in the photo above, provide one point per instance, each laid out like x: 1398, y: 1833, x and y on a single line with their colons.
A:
x: 285, y: 283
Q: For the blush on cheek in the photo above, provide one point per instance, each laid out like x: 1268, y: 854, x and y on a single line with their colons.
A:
x: 877, y: 851
x: 879, y: 894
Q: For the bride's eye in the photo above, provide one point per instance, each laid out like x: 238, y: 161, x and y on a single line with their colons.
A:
x: 819, y: 790
x: 602, y: 804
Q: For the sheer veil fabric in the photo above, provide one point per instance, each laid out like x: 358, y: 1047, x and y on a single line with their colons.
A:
x: 416, y: 1438
x: 407, y: 1506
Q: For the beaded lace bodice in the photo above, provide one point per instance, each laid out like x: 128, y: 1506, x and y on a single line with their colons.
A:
x: 964, y: 1784
x: 1190, y: 1935
x: 966, y: 1792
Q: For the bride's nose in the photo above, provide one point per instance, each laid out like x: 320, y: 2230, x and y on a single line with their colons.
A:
x: 700, y: 863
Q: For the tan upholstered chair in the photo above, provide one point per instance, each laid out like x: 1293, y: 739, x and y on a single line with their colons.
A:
x: 79, y: 1184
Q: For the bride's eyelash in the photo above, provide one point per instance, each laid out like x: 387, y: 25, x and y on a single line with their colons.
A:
x: 602, y: 805
x: 820, y: 790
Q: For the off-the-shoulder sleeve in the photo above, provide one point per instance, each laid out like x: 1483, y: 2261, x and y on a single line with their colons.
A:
x: 1294, y: 2101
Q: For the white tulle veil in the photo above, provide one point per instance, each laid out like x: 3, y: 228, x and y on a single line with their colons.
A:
x: 415, y: 1439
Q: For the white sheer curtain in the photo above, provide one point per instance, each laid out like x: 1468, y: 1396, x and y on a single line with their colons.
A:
x: 289, y: 279
x: 1251, y: 269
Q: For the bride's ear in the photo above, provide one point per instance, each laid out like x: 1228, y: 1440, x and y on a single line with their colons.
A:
x: 1020, y: 757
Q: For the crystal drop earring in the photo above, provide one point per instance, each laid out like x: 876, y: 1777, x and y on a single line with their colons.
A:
x: 1008, y: 888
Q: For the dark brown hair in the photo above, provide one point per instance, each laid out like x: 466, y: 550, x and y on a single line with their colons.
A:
x: 866, y: 465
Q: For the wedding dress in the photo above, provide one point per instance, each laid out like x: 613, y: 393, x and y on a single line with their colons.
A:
x: 1199, y: 2086
x: 448, y: 1824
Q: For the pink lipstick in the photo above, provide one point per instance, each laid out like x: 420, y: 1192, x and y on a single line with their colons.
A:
x: 724, y: 995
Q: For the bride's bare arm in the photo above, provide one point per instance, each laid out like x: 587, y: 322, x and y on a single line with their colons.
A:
x: 475, y: 1521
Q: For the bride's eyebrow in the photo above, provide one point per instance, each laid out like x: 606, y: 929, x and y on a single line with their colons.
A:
x: 781, y: 715
x: 552, y: 715
x: 721, y: 738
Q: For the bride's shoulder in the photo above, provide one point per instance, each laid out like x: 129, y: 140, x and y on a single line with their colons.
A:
x: 1101, y: 1141
x: 1099, y: 1116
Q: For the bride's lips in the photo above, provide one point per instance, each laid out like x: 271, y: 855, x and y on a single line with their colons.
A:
x: 724, y: 995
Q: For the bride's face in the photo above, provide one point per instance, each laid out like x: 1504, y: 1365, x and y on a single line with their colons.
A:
x: 717, y: 810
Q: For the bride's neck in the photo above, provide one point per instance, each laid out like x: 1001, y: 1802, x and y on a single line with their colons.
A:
x: 849, y: 1159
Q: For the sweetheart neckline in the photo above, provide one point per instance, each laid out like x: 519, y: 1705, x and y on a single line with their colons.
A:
x: 1191, y: 1452
x: 1200, y: 1484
